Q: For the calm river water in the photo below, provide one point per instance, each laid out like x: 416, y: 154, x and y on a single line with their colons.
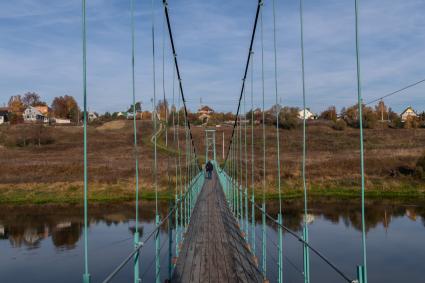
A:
x: 44, y: 243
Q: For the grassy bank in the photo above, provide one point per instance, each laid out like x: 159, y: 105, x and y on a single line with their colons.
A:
x: 63, y: 193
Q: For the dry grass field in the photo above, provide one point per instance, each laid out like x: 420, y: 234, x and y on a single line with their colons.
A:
x: 49, y: 167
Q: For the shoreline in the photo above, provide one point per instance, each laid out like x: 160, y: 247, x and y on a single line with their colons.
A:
x: 65, y: 193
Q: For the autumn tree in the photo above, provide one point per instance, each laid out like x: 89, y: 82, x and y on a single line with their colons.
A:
x: 381, y: 110
x: 32, y: 99
x: 329, y: 114
x: 350, y: 115
x: 15, y: 104
x: 66, y: 107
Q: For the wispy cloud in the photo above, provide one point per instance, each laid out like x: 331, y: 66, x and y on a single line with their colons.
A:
x: 40, y: 50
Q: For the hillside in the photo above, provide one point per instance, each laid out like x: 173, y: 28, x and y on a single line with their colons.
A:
x: 50, y: 163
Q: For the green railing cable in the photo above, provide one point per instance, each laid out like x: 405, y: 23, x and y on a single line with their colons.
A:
x: 306, y: 257
x: 246, y: 170
x: 86, y: 275
x: 136, y: 150
x: 362, y: 270
x: 155, y: 167
x: 153, y: 233
x: 264, y: 227
x: 252, y: 157
x: 280, y: 232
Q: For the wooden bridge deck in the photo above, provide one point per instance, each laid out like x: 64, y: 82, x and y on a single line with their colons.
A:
x: 213, y: 248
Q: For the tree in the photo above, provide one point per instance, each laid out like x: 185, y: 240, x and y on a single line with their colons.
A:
x: 381, y: 110
x: 162, y: 108
x: 66, y: 107
x: 15, y: 104
x: 138, y: 106
x: 288, y: 118
x: 350, y: 115
x: 32, y: 99
x: 329, y: 114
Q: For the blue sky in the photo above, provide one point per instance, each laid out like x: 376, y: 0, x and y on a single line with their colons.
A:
x: 40, y: 50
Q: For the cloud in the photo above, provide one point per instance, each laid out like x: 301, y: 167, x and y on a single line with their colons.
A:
x: 40, y: 50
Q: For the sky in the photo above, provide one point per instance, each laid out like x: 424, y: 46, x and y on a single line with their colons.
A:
x: 41, y: 51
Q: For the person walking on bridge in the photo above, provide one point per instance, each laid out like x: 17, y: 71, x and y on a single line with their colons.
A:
x: 209, y: 168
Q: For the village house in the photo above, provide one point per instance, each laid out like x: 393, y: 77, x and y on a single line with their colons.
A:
x: 204, y: 113
x: 308, y: 114
x: 408, y: 113
x: 92, y: 116
x: 33, y: 115
x: 4, y: 115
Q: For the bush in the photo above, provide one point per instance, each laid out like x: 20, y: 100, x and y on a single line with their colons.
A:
x: 420, y: 167
x: 288, y: 118
x: 339, y: 125
x: 28, y: 135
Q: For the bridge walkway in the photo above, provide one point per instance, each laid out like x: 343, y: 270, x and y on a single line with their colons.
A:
x: 214, y: 249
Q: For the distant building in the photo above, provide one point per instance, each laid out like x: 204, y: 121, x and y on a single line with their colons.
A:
x: 204, y: 113
x: 308, y: 114
x: 408, y: 113
x: 33, y: 115
x: 92, y: 116
x: 4, y: 115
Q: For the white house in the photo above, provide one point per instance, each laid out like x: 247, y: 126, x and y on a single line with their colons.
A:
x: 308, y: 114
x: 4, y: 115
x: 32, y: 114
x: 407, y: 113
x: 92, y: 116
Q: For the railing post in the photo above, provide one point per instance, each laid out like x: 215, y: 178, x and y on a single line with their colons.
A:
x: 177, y: 226
x: 280, y: 249
x: 306, y: 254
x: 241, y: 204
x: 361, y: 274
x: 253, y: 223
x: 170, y: 244
x: 264, y: 241
x: 157, y: 252
x: 246, y: 216
x: 136, y: 257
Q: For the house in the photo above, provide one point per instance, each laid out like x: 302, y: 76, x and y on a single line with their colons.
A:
x: 92, y: 116
x: 205, y: 110
x: 204, y: 113
x: 308, y: 114
x: 4, y: 115
x: 408, y: 113
x: 33, y: 115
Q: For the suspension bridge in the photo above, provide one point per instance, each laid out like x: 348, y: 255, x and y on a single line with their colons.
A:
x: 212, y: 235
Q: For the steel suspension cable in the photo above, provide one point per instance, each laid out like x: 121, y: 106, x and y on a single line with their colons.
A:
x: 362, y: 270
x: 170, y: 33
x: 86, y: 275
x: 260, y: 4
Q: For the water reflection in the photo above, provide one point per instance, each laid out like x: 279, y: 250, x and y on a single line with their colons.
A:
x: 28, y: 226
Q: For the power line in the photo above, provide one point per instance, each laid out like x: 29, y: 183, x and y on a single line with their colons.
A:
x: 395, y: 92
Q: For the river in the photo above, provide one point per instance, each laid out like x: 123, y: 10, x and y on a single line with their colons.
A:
x: 43, y: 243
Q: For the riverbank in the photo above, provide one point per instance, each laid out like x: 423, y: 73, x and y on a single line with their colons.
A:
x: 72, y: 193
